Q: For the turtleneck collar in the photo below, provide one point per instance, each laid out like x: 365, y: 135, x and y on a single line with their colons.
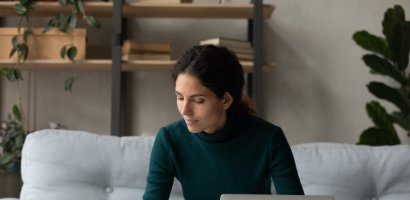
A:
x: 221, y: 135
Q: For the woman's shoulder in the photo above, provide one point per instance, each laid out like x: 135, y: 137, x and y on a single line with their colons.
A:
x: 258, y: 122
x: 262, y: 126
x: 173, y: 130
x: 266, y: 132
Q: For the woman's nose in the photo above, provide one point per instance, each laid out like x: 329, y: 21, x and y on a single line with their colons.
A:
x: 186, y: 109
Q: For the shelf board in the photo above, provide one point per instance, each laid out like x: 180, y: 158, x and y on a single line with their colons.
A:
x: 178, y: 10
x: 105, y: 65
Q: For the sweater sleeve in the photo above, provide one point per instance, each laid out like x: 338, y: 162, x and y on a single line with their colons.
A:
x: 160, y: 174
x: 282, y: 166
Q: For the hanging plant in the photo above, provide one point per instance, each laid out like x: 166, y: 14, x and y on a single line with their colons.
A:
x: 67, y: 23
x: 12, y: 132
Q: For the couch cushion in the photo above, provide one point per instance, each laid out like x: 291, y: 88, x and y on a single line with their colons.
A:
x: 353, y: 172
x: 67, y: 165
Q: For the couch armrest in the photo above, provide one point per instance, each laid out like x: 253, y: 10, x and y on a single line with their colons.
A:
x: 354, y: 172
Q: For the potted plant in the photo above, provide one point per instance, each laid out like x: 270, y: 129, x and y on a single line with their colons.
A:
x: 64, y: 22
x: 389, y: 57
x: 12, y: 136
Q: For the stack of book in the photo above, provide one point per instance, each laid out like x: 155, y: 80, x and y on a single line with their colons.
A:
x: 242, y: 48
x: 132, y: 50
x: 159, y: 1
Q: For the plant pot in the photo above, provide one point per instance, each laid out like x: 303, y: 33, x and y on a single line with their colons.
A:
x: 44, y: 45
x: 10, y: 184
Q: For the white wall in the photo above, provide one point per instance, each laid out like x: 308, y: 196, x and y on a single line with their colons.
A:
x: 315, y: 93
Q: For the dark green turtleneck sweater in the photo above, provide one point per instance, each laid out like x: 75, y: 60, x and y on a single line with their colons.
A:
x: 241, y: 158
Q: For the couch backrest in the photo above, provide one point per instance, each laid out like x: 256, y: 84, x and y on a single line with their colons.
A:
x: 353, y: 172
x: 67, y: 165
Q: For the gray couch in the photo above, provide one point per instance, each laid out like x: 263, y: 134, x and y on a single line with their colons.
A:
x: 71, y: 165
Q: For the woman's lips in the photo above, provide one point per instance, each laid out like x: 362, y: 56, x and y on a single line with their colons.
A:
x: 190, y: 121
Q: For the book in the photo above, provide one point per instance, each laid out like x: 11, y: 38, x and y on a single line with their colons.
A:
x: 241, y: 50
x: 147, y: 56
x: 160, y: 1
x: 227, y: 42
x: 244, y: 56
x: 133, y: 47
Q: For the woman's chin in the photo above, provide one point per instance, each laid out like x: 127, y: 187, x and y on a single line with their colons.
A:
x: 194, y: 129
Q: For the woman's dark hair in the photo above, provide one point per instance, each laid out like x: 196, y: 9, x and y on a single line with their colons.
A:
x: 219, y: 70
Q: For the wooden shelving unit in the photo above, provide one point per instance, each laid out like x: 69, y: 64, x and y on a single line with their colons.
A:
x: 105, y: 9
x: 185, y: 10
x: 106, y: 65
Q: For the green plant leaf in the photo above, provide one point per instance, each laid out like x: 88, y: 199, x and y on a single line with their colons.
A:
x: 50, y: 25
x: 377, y: 137
x: 12, y: 74
x: 47, y: 28
x: 379, y: 116
x: 372, y: 43
x: 384, y: 67
x: 401, y: 119
x: 388, y: 93
x: 12, y: 52
x: 63, y: 24
x: 72, y: 21
x: 25, y: 2
x: 5, y: 160
x: 22, y: 52
x: 392, y: 17
x: 14, y: 43
x: 17, y: 112
x: 63, y: 3
x: 26, y: 34
x: 14, y: 40
x: 60, y: 21
x: 93, y: 22
x: 384, y: 132
x: 68, y: 84
x: 20, y: 9
x: 72, y: 53
x: 63, y: 51
x: 79, y: 6
x: 71, y: 2
x: 401, y: 44
x: 19, y: 142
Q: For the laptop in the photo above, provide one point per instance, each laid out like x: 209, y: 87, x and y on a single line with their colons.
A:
x: 273, y: 197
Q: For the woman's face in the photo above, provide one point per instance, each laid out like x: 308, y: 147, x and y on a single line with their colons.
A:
x: 201, y: 109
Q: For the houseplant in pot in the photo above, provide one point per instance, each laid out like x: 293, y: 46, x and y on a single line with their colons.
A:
x: 389, y: 57
x: 65, y: 22
x: 12, y: 136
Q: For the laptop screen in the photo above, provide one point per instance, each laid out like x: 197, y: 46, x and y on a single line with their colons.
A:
x: 273, y: 197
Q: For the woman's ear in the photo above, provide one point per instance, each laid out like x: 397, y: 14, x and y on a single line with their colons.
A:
x: 227, y: 101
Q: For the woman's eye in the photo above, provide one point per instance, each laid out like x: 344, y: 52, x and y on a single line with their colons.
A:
x: 180, y: 98
x: 199, y: 100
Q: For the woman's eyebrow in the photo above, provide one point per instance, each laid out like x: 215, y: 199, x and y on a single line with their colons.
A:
x: 195, y: 95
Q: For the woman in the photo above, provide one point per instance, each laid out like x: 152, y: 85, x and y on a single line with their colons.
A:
x: 218, y: 146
